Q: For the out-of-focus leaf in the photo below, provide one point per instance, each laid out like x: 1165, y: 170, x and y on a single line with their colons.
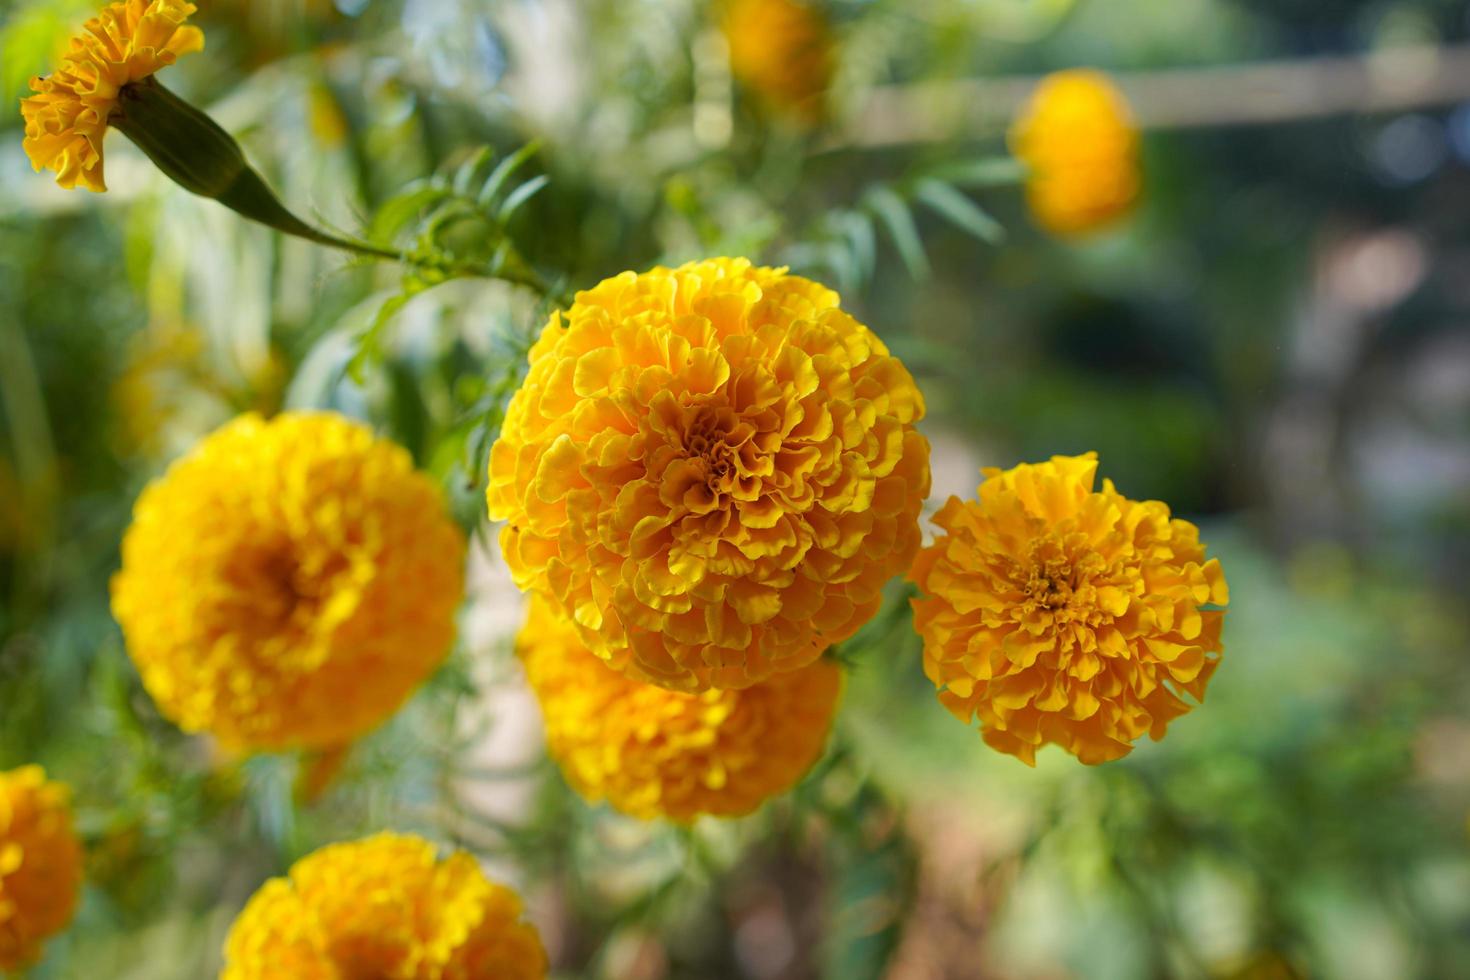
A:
x: 894, y: 213
x: 858, y: 228
x: 404, y: 207
x: 370, y: 344
x: 959, y: 209
x: 986, y: 172
x: 520, y: 196
x: 502, y: 172
x: 875, y: 868
x: 469, y: 171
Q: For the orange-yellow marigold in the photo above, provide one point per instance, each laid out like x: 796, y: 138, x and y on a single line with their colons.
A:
x: 383, y: 907
x: 1062, y: 614
x: 40, y: 864
x: 712, y: 470
x: 288, y: 583
x: 66, y: 120
x: 652, y: 752
x: 780, y: 50
x: 1076, y: 135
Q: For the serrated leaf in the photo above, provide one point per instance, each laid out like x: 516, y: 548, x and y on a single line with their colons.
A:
x: 451, y: 211
x: 520, y: 196
x: 960, y: 210
x: 502, y: 172
x: 987, y: 172
x: 404, y: 207
x: 894, y: 213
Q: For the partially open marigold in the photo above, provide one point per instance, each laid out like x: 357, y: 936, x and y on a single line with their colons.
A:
x: 288, y: 583
x: 1060, y: 614
x: 712, y: 470
x: 40, y: 864
x: 1078, y: 139
x: 651, y: 752
x: 384, y: 907
x: 781, y: 50
x: 68, y: 116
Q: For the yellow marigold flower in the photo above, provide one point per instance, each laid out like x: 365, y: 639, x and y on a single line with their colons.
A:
x: 781, y: 50
x: 288, y: 583
x: 712, y: 470
x: 40, y: 864
x: 652, y: 752
x: 68, y: 116
x: 387, y: 907
x: 1076, y: 135
x: 1061, y: 614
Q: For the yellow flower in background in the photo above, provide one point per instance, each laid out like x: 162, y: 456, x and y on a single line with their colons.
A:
x: 40, y: 864
x: 288, y: 583
x: 383, y: 907
x: 780, y: 50
x: 68, y: 116
x: 1061, y: 614
x: 651, y: 752
x: 1076, y: 135
x: 713, y: 470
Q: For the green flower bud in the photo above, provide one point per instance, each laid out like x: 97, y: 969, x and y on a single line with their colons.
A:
x: 202, y: 158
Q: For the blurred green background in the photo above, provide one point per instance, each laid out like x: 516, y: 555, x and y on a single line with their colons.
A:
x: 1277, y: 343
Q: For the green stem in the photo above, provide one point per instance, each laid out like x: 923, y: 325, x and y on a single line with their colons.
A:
x: 198, y: 155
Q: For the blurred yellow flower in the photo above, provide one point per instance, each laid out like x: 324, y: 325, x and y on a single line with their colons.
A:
x: 713, y: 470
x: 780, y: 50
x: 40, y: 864
x: 68, y: 116
x: 1061, y: 614
x: 651, y: 752
x: 1076, y: 135
x: 387, y: 907
x: 288, y: 583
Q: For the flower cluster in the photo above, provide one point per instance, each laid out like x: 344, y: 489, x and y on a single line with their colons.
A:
x: 68, y: 116
x: 288, y: 583
x: 781, y: 51
x: 40, y: 864
x: 712, y: 470
x: 1077, y: 137
x: 385, y: 907
x: 1062, y: 614
x: 652, y: 752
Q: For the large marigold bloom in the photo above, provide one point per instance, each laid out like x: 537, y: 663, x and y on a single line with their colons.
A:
x: 68, y: 116
x: 712, y: 470
x: 1061, y: 614
x: 1076, y: 135
x: 383, y: 907
x: 652, y: 752
x: 40, y: 864
x: 288, y: 583
x: 781, y: 50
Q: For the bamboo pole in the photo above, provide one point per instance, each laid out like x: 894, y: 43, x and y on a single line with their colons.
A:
x: 1394, y: 79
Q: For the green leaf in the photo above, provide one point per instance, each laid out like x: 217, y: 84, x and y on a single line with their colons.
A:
x: 894, y: 213
x: 520, y: 196
x: 502, y: 172
x: 858, y: 227
x: 404, y: 207
x: 874, y: 871
x: 959, y: 209
x: 469, y: 171
x: 370, y: 343
x: 986, y: 172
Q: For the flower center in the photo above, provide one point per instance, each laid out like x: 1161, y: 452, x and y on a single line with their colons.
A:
x: 1051, y: 583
